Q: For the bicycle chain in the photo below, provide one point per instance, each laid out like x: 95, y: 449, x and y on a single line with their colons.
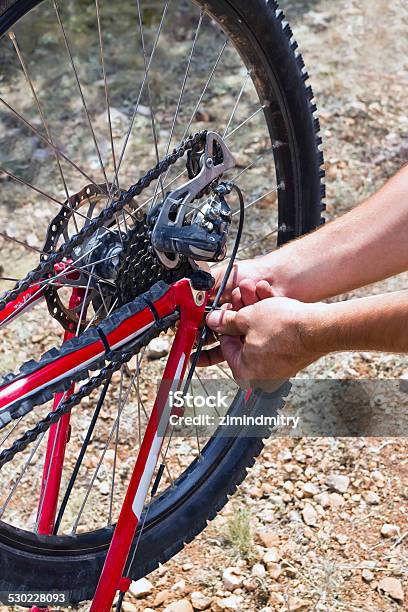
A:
x: 46, y: 267
x: 31, y: 435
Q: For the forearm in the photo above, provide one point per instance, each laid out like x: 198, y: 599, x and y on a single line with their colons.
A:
x: 377, y: 323
x: 363, y: 246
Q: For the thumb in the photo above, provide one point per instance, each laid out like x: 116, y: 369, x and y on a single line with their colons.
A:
x: 227, y: 322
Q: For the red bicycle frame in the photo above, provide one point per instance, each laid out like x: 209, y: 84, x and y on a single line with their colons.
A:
x: 191, y: 306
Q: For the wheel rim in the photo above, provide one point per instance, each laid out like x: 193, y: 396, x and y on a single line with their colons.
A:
x: 232, y: 128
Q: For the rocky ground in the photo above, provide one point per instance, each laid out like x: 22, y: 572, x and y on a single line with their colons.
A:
x: 320, y: 523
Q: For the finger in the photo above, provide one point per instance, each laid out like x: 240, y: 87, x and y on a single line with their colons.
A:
x: 225, y: 351
x: 263, y: 290
x: 248, y: 292
x: 231, y: 348
x: 227, y: 322
x: 210, y: 357
x: 218, y: 274
x: 236, y: 299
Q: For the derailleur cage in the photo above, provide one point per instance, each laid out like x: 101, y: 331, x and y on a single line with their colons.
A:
x: 181, y: 225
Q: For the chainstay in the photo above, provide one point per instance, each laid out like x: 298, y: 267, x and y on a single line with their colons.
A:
x: 118, y: 359
x: 46, y: 267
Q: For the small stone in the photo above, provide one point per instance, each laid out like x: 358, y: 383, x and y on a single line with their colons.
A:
x: 309, y: 515
x: 200, y: 601
x: 183, y: 605
x: 295, y: 517
x: 258, y: 570
x: 274, y: 570
x: 291, y: 571
x: 338, y: 483
x: 233, y: 602
x: 308, y: 533
x: 162, y: 597
x: 323, y: 499
x: 268, y: 538
x: 157, y: 348
x: 276, y: 500
x: 392, y: 587
x: 271, y: 556
x: 389, y: 531
x: 187, y: 567
x: 288, y: 486
x: 128, y: 606
x: 372, y: 498
x: 232, y: 578
x: 310, y: 489
x: 297, y: 605
x: 336, y: 500
x: 256, y: 492
x: 104, y: 488
x: 367, y: 576
x: 378, y: 476
x: 250, y: 584
x: 285, y: 455
x: 148, y: 610
x: 276, y: 599
x: 342, y: 538
x: 141, y: 588
x: 180, y: 585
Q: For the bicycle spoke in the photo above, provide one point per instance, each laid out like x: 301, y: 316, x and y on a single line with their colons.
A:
x: 39, y: 107
x: 116, y: 448
x: 258, y: 240
x: 142, y: 405
x: 106, y: 88
x: 48, y: 143
x: 200, y: 99
x: 238, y: 100
x: 262, y: 197
x: 151, y: 106
x: 254, y: 114
x: 142, y: 86
x: 71, y: 60
x: 182, y: 91
x: 204, y: 388
x: 20, y: 477
x: 98, y: 466
x: 8, y: 434
x: 184, y: 83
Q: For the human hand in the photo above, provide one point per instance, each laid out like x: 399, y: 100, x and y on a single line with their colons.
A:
x: 265, y: 343
x: 248, y: 283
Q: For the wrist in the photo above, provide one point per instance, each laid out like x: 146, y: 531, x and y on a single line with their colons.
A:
x: 317, y: 329
x: 283, y: 270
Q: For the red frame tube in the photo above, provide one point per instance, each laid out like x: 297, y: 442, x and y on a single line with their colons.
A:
x: 58, y: 437
x: 190, y: 317
x: 192, y: 308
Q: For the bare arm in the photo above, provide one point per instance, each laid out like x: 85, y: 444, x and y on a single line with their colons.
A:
x: 365, y: 245
x: 275, y: 338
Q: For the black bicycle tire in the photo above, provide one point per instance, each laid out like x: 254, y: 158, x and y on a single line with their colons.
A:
x: 36, y: 562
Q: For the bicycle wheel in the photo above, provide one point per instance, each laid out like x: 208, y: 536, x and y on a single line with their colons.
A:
x: 228, y: 66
